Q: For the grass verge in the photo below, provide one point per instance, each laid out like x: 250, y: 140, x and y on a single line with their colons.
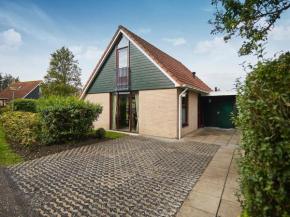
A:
x: 115, y: 135
x: 7, y: 157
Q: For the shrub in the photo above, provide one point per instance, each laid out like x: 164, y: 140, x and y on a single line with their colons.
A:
x: 25, y: 105
x: 5, y: 109
x: 264, y: 121
x: 21, y: 127
x: 101, y: 133
x: 65, y: 119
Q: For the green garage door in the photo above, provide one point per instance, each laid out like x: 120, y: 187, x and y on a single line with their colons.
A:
x: 217, y: 111
x: 225, y: 114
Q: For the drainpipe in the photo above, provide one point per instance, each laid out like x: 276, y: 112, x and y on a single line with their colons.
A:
x: 179, y: 113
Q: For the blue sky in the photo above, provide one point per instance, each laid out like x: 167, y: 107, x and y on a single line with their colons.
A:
x: 31, y: 30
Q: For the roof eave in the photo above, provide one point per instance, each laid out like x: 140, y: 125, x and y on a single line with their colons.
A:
x: 195, y: 88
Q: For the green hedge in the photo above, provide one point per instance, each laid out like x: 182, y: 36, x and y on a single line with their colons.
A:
x: 264, y: 121
x: 65, y: 119
x: 26, y: 105
x: 21, y: 127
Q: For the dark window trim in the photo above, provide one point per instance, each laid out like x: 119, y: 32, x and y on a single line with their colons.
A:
x: 186, y: 111
x: 128, y: 56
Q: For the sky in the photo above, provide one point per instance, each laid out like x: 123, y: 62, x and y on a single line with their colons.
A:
x: 32, y: 30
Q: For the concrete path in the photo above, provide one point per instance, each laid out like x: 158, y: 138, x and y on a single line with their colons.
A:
x: 214, y: 193
x: 216, y: 136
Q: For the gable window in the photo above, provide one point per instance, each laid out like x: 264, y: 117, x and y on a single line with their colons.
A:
x: 185, y: 110
x: 122, y: 65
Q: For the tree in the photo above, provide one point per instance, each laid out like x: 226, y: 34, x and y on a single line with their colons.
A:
x: 6, y: 80
x: 63, y: 75
x: 250, y: 19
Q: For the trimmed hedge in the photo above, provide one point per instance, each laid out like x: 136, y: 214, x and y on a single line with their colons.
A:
x: 21, y: 127
x: 5, y: 109
x: 264, y: 121
x: 65, y: 119
x: 25, y: 105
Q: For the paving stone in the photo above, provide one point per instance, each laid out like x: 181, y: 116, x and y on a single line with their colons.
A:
x: 208, y: 188
x: 229, y: 194
x: 220, y: 143
x: 203, y: 202
x: 215, y: 170
x: 222, y: 159
x: 188, y: 211
x: 232, y: 182
x: 229, y: 209
x: 213, y: 178
x: 220, y: 164
x: 130, y: 176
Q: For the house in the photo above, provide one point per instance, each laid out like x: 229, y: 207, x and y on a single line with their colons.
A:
x: 23, y: 90
x: 144, y: 90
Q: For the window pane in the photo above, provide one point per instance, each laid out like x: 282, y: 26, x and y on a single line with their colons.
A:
x: 183, y: 115
x: 123, y: 58
x: 123, y: 43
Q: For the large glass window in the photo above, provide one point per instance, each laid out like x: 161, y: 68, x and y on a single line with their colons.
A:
x: 122, y: 58
x: 185, y: 110
x: 124, y: 111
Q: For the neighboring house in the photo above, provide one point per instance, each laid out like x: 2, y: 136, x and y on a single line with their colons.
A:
x: 143, y: 90
x: 24, y: 90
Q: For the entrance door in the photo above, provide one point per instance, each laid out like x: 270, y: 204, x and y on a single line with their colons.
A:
x: 224, y: 114
x: 124, y: 111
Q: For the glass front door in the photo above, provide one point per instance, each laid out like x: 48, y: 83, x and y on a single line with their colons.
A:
x: 124, y: 111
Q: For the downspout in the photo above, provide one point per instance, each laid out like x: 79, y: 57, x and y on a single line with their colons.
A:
x: 179, y: 113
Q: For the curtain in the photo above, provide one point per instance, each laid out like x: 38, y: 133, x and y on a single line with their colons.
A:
x: 137, y: 110
x: 114, y: 111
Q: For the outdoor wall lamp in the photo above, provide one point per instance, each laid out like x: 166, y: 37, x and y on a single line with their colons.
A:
x: 13, y: 89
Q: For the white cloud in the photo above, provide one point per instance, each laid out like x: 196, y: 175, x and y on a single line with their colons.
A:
x: 86, y: 52
x: 280, y: 33
x: 10, y: 39
x: 144, y: 31
x: 175, y: 41
x: 216, y: 48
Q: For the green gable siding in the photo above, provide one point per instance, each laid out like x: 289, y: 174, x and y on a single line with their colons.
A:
x: 144, y: 75
x: 33, y: 94
x: 104, y: 81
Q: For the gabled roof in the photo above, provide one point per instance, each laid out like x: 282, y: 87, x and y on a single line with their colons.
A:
x: 172, y: 68
x: 23, y: 89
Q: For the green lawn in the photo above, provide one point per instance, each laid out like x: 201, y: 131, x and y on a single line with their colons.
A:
x: 114, y: 135
x: 7, y: 157
x: 110, y: 134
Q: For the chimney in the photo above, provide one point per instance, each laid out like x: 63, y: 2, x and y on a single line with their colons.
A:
x: 193, y: 74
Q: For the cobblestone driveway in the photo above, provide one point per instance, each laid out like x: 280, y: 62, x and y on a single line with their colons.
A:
x: 131, y: 176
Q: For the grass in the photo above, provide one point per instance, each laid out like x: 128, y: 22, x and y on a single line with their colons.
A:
x: 7, y: 157
x: 110, y: 134
x: 115, y: 135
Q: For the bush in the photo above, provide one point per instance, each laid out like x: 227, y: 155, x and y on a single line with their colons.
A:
x: 21, y: 127
x: 5, y: 109
x: 101, y: 133
x: 25, y: 105
x: 264, y: 121
x: 65, y: 119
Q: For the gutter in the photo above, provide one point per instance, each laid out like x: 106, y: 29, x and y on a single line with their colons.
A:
x: 195, y: 88
x: 179, y: 113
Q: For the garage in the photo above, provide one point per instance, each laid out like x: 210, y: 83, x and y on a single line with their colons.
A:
x: 216, y: 109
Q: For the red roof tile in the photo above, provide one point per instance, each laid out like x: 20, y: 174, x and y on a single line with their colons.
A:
x: 23, y: 88
x: 174, y: 68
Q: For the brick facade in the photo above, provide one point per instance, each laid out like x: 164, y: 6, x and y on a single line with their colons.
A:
x: 104, y: 100
x: 158, y: 110
x: 192, y: 113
